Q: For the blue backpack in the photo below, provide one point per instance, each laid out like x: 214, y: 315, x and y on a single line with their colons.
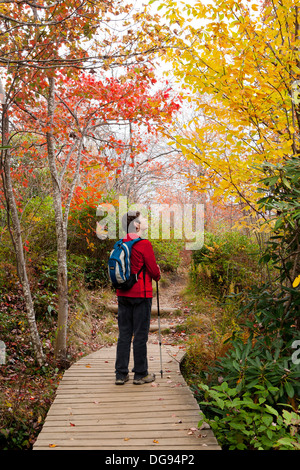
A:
x: 119, y: 270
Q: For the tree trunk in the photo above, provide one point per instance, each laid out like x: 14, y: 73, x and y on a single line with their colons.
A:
x: 61, y: 234
x: 16, y: 236
x: 62, y: 290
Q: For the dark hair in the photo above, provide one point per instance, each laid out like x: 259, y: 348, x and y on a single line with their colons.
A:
x: 128, y: 219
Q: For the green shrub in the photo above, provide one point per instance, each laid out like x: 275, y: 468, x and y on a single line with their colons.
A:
x: 95, y: 273
x: 272, y: 312
x: 167, y: 253
x: 45, y: 295
x: 246, y: 422
x: 225, y: 264
x: 250, y: 364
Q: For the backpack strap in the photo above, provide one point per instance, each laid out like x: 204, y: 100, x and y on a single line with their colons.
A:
x: 143, y: 268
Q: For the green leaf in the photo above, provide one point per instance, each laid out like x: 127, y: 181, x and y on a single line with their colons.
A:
x: 279, y: 223
x: 286, y: 183
x: 289, y: 389
x: 270, y: 181
x: 220, y: 403
x: 236, y: 425
x: 271, y: 410
x: 285, y: 441
x: 267, y: 419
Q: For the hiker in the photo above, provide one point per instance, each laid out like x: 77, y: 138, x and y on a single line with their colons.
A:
x: 134, y: 305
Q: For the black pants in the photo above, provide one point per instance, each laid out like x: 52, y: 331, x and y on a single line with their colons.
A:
x: 133, y: 321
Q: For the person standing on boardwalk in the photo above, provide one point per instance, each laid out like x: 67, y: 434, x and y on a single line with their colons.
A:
x: 134, y: 305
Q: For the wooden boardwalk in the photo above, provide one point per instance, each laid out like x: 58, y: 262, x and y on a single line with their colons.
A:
x: 90, y: 412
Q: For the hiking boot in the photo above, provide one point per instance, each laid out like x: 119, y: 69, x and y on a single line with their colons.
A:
x: 144, y: 380
x: 122, y: 380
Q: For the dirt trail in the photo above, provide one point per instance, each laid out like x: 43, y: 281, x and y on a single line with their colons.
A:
x: 171, y: 288
x: 172, y: 285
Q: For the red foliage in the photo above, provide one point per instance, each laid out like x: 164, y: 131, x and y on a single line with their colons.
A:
x: 89, y: 108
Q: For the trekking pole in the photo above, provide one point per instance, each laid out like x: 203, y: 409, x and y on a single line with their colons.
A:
x: 159, y: 334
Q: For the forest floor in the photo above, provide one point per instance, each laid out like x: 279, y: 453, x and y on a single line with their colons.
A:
x: 27, y: 391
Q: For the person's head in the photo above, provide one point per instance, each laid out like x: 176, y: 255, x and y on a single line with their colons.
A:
x: 133, y: 222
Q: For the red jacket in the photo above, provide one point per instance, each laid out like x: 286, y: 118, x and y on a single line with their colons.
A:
x: 141, y: 254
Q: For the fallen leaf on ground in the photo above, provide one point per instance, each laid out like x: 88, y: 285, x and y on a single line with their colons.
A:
x: 155, y: 441
x: 52, y: 445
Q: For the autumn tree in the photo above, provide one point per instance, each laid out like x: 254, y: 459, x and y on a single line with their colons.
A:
x: 38, y: 41
x: 239, y: 65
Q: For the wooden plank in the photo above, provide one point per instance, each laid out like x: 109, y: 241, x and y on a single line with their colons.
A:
x: 56, y: 410
x: 162, y: 422
x: 107, y: 425
x: 109, y: 400
x: 127, y: 391
x: 187, y: 419
x: 91, y: 412
x: 123, y: 443
x: 164, y: 416
x: 112, y: 400
x: 119, y: 435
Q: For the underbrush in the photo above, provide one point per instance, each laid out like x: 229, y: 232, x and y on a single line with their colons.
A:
x: 167, y: 253
x: 239, y: 356
x: 26, y: 390
x: 225, y: 264
x: 246, y: 384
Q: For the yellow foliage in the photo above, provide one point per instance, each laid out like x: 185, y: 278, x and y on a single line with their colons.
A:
x: 239, y: 65
x: 296, y: 281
